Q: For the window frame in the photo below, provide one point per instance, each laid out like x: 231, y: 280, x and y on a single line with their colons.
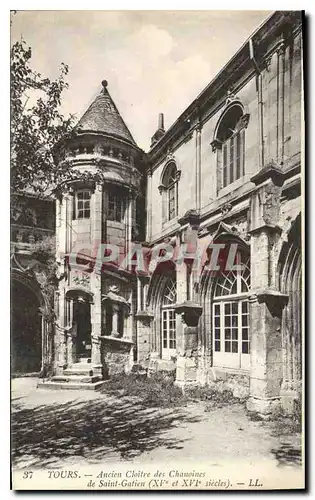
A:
x: 119, y: 206
x: 230, y: 134
x: 168, y: 320
x: 84, y: 211
x: 234, y: 144
x: 169, y: 190
x: 226, y: 319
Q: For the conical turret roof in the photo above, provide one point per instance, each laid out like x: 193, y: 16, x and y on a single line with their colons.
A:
x: 103, y: 116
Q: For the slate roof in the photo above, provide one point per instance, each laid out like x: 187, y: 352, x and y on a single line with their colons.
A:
x: 103, y: 116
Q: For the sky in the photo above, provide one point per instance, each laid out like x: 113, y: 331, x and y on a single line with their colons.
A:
x: 154, y: 61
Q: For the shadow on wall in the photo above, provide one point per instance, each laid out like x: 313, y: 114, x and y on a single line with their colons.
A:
x: 91, y: 431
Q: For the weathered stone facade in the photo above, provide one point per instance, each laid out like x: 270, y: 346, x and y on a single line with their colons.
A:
x: 259, y: 208
x: 228, y: 172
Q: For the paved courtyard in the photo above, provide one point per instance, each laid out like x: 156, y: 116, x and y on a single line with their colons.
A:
x: 63, y: 428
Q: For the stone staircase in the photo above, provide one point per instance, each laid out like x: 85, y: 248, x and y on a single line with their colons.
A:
x: 80, y: 375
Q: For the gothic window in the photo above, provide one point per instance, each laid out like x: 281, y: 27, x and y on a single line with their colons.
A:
x: 83, y: 204
x: 169, y: 319
x: 116, y: 205
x: 230, y: 145
x: 169, y: 189
x: 230, y: 312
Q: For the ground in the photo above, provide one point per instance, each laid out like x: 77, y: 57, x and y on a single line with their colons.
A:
x: 60, y: 428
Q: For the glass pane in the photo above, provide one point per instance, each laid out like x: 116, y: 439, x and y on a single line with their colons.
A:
x: 244, y: 307
x: 238, y: 156
x: 224, y: 165
x: 234, y: 333
x: 227, y: 346
x: 87, y: 214
x: 234, y: 321
x: 232, y: 160
x: 245, y: 348
x: 217, y: 321
x: 217, y: 345
x: 244, y: 319
x: 227, y: 320
x: 217, y: 309
x: 244, y: 334
x: 234, y: 307
x: 234, y: 346
x: 217, y: 333
x: 227, y: 333
x: 227, y: 308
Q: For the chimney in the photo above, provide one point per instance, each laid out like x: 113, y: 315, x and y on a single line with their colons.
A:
x: 160, y: 130
x: 161, y: 121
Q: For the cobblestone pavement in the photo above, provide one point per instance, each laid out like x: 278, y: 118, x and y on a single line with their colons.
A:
x: 59, y: 428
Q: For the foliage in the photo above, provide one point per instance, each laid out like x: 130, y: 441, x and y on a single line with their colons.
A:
x: 44, y: 252
x: 155, y: 391
x: 37, y: 123
x: 39, y: 129
x: 216, y: 395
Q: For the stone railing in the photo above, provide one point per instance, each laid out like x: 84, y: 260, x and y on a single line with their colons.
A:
x: 99, y: 151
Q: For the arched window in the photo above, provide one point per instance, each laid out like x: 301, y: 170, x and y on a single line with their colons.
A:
x: 169, y: 190
x: 169, y: 319
x: 231, y: 336
x: 230, y: 144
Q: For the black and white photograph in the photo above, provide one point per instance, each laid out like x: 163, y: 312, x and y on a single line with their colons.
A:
x: 156, y: 250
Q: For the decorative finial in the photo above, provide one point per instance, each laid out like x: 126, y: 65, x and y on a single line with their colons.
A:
x: 104, y: 83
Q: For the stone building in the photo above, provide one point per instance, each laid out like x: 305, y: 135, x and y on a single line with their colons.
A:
x: 226, y: 175
x: 32, y: 239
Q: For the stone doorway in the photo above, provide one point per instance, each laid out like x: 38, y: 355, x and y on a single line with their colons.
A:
x: 26, y: 330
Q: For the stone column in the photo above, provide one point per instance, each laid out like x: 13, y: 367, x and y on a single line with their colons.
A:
x: 95, y: 280
x: 266, y: 301
x: 60, y: 341
x: 187, y: 353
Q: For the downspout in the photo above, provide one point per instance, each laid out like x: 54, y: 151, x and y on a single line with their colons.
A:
x: 260, y: 103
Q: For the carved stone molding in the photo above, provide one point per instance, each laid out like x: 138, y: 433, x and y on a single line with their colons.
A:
x: 226, y: 208
x: 190, y: 312
x: 215, y: 144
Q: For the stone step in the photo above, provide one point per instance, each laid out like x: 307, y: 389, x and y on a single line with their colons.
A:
x: 91, y: 386
x: 74, y: 370
x: 75, y: 378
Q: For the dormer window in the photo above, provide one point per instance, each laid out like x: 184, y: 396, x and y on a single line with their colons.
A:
x: 230, y: 145
x: 83, y: 204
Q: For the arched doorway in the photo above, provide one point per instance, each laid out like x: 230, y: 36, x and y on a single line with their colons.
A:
x: 26, y: 326
x: 290, y: 282
x: 161, y: 301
